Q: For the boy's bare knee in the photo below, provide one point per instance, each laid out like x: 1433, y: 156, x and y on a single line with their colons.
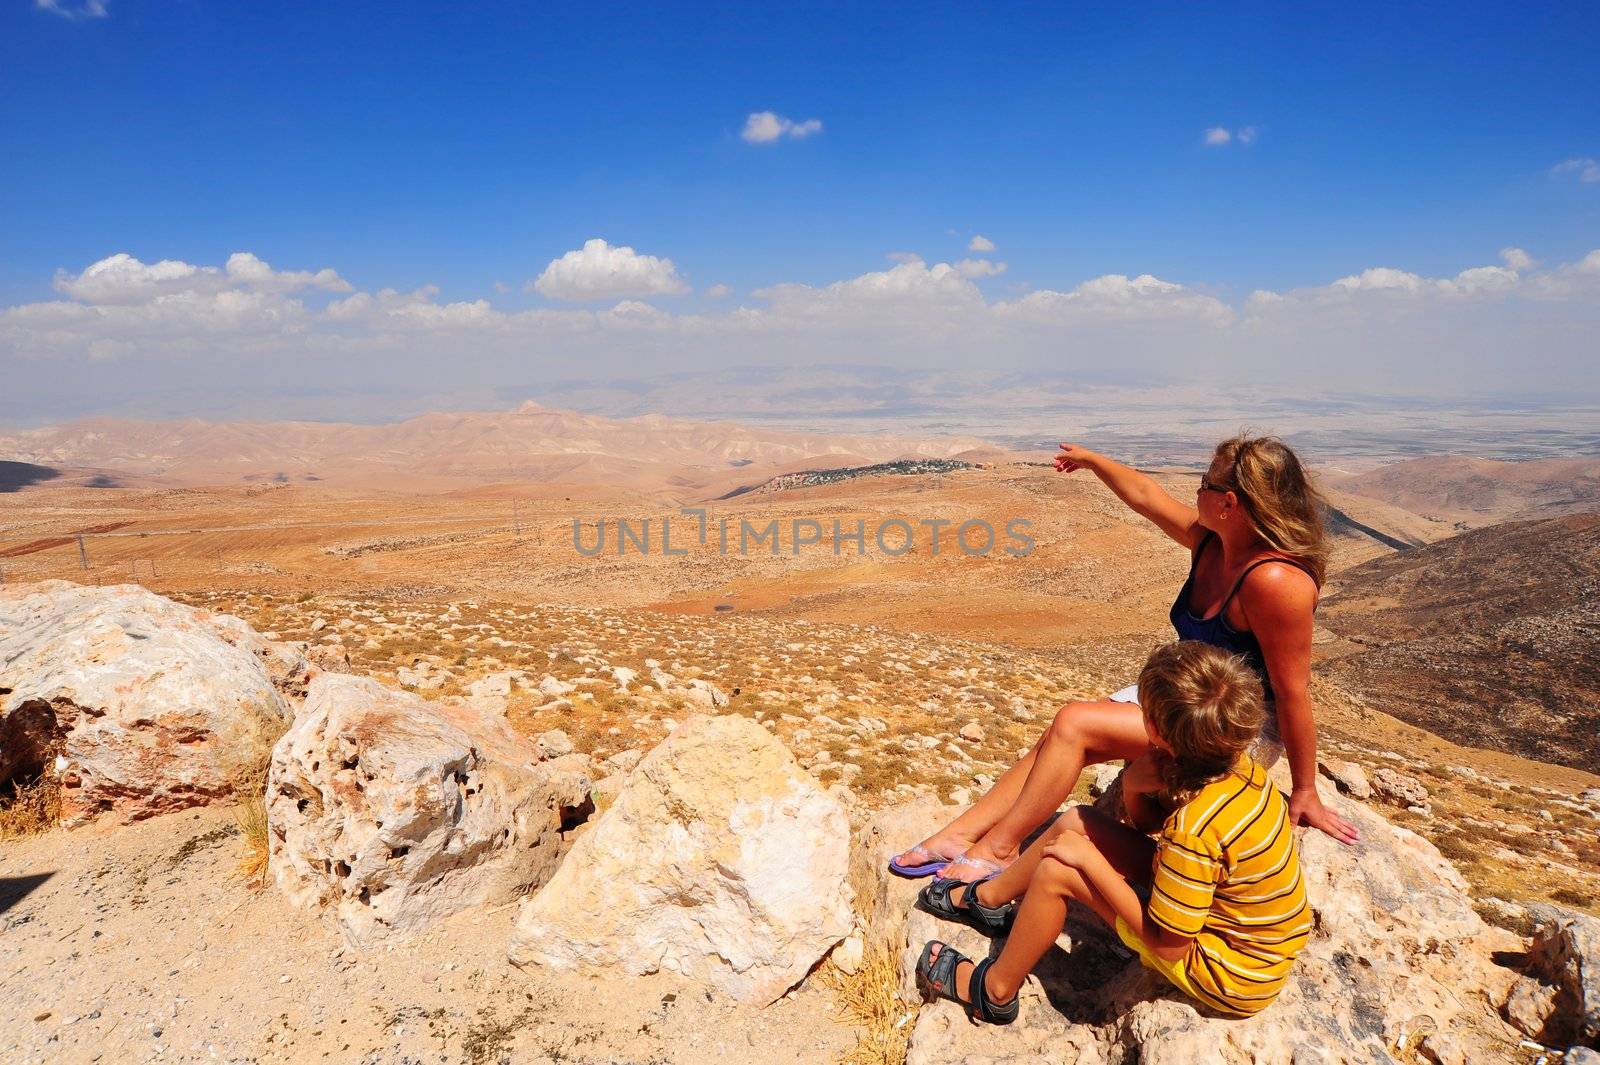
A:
x: 1054, y: 876
x: 1073, y: 819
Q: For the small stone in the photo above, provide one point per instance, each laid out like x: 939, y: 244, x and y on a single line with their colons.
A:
x: 1350, y: 778
x: 972, y: 732
x: 1442, y: 1049
x: 849, y: 954
x: 1529, y: 1006
x: 1104, y: 776
x: 553, y: 744
x: 960, y: 797
x: 1399, y: 789
x: 45, y: 1016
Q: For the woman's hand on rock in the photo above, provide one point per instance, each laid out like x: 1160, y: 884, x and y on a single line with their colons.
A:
x: 1305, y: 808
x: 1073, y: 457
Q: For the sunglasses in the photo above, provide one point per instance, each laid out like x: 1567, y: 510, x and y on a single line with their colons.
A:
x: 1206, y: 485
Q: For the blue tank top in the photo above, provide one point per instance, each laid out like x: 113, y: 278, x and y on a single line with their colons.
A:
x: 1215, y: 630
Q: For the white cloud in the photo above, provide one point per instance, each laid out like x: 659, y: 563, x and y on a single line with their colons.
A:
x: 86, y: 10
x: 1585, y: 170
x: 765, y: 127
x: 1517, y: 259
x: 1217, y: 136
x: 168, y: 324
x: 718, y: 292
x: 979, y: 242
x: 979, y: 268
x: 502, y: 288
x: 121, y: 278
x: 903, y: 257
x: 1118, y: 296
x: 601, y: 271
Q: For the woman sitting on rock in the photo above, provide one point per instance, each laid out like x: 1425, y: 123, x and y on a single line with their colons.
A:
x: 1227, y: 910
x: 1258, y: 559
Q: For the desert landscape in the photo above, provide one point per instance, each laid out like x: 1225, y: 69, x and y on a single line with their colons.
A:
x: 883, y: 680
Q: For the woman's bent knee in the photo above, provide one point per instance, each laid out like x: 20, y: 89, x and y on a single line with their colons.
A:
x: 1069, y: 725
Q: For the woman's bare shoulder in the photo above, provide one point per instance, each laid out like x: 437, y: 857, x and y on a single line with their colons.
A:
x: 1283, y: 585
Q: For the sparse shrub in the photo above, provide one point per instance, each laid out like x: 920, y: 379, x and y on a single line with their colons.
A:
x: 33, y: 807
x: 1578, y: 897
x: 1459, y: 848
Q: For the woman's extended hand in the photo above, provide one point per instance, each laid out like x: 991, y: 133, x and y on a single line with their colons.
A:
x: 1073, y: 457
x: 1305, y: 808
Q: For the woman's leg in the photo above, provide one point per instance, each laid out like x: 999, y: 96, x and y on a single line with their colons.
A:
x: 1081, y: 734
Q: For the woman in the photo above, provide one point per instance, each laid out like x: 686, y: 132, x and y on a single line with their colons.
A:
x: 1258, y: 559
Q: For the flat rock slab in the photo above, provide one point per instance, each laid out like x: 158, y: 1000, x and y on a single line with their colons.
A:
x: 720, y: 860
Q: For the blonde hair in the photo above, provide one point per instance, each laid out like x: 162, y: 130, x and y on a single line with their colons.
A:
x: 1278, y: 497
x: 1207, y: 705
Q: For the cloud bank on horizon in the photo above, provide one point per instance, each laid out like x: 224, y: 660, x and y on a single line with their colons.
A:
x: 1486, y: 330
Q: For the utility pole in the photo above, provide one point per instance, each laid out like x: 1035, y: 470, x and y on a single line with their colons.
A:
x: 83, y: 555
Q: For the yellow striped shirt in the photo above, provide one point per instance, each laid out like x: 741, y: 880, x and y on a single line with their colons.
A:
x: 1227, y: 872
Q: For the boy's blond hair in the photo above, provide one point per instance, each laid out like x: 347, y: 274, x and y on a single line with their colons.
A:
x: 1207, y: 705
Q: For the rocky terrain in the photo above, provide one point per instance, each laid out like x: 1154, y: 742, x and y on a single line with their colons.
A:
x: 1469, y: 491
x: 1491, y: 638
x: 332, y: 794
x: 532, y: 443
x: 401, y: 839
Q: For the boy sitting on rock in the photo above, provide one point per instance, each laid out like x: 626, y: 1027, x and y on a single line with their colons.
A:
x: 1227, y: 911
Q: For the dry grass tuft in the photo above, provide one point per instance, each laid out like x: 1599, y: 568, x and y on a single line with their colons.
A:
x: 33, y: 808
x: 251, y: 817
x: 870, y: 999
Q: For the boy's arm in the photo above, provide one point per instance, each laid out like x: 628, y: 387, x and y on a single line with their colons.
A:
x: 1141, y: 782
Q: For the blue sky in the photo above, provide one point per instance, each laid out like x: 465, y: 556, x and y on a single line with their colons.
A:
x: 465, y: 145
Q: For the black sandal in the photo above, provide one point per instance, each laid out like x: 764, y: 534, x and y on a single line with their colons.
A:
x: 937, y: 976
x: 935, y: 899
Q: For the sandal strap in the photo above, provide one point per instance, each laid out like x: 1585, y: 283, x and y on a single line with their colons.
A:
x: 983, y: 1007
x: 940, y: 972
x: 993, y: 916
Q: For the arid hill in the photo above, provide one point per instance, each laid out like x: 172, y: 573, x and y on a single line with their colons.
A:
x: 1491, y: 638
x: 670, y: 458
x: 1474, y: 491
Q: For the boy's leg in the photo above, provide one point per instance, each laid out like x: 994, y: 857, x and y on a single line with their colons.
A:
x: 1053, y: 884
x: 1127, y: 849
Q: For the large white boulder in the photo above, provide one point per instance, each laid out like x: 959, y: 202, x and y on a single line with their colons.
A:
x: 139, y: 704
x: 1397, y: 953
x: 720, y: 860
x: 395, y: 812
